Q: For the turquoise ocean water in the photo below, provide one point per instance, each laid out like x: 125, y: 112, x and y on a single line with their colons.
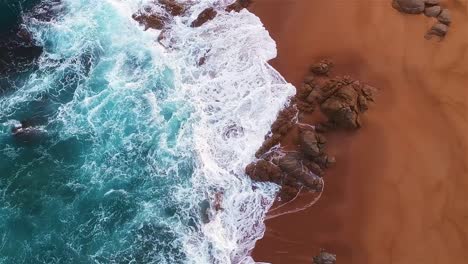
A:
x: 129, y: 141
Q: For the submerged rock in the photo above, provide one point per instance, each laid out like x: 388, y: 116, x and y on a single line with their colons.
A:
x: 205, y: 16
x: 172, y: 7
x: 238, y: 5
x: 409, y: 6
x: 154, y: 21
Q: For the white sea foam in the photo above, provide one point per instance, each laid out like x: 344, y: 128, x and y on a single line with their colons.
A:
x: 236, y: 96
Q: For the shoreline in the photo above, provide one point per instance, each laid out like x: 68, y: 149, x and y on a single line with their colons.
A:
x: 392, y: 195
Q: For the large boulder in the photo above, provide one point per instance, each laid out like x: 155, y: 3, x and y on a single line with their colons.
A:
x: 409, y: 6
x: 311, y: 143
x: 432, y: 11
x: 342, y: 107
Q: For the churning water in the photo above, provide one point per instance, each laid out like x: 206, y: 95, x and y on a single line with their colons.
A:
x: 130, y: 143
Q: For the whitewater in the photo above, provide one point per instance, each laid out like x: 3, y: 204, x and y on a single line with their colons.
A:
x: 136, y: 153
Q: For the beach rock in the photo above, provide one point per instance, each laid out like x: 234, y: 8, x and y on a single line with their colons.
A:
x: 432, y: 11
x: 445, y: 17
x: 264, y: 171
x: 293, y: 166
x: 310, y: 143
x: 432, y: 2
x: 172, y: 7
x: 321, y: 68
x: 324, y: 258
x: 238, y: 5
x: 341, y: 108
x: 409, y: 6
x: 439, y: 30
x: 205, y: 16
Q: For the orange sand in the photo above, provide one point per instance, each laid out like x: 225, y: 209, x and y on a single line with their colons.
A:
x: 399, y: 192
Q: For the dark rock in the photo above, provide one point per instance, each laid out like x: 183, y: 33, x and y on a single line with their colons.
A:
x: 324, y: 258
x: 238, y: 5
x: 293, y: 166
x: 432, y: 2
x: 205, y: 16
x: 309, y: 143
x: 264, y: 171
x: 409, y: 6
x: 432, y: 11
x: 172, y: 7
x: 445, y: 17
x: 342, y: 108
x: 148, y: 20
x: 18, y: 51
x: 288, y: 193
x: 439, y: 30
x: 321, y: 68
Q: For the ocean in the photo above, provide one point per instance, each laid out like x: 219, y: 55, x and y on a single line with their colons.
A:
x: 128, y: 151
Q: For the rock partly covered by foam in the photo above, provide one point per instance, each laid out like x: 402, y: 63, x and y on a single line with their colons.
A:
x: 409, y: 6
x: 205, y: 16
x: 324, y: 258
x: 148, y: 20
x: 238, y: 5
x: 172, y: 7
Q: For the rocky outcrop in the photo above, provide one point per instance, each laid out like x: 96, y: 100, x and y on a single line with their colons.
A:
x: 324, y: 258
x: 431, y: 8
x: 341, y: 100
x: 205, y: 16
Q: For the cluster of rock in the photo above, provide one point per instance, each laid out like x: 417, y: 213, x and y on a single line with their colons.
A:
x: 431, y: 8
x: 341, y: 100
x: 324, y: 258
x: 157, y: 20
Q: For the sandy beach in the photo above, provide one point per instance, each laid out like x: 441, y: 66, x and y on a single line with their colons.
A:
x: 398, y: 193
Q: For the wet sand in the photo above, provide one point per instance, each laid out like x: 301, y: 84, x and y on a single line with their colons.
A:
x: 399, y: 191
